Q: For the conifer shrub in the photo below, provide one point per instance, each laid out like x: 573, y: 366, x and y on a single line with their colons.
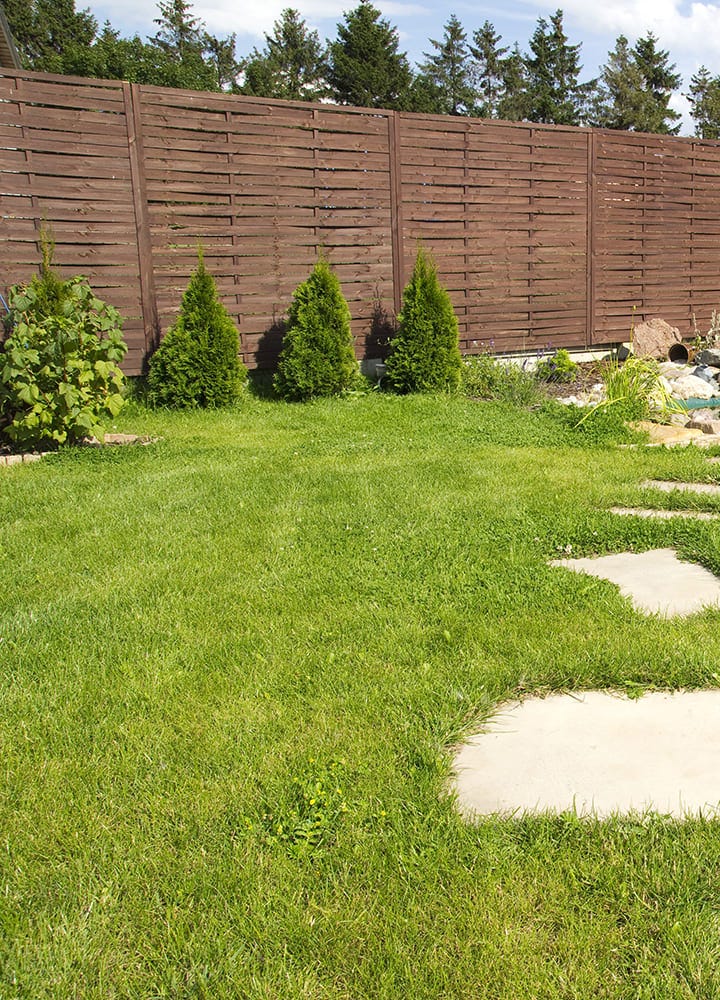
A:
x: 60, y: 377
x: 424, y: 354
x: 317, y: 357
x: 197, y: 363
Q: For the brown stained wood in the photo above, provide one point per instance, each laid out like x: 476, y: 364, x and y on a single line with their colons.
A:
x: 139, y: 197
x: 540, y: 233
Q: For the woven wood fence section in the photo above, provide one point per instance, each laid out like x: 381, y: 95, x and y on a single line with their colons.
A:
x: 543, y: 235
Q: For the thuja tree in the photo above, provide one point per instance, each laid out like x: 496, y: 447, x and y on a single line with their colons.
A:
x: 424, y: 354
x: 197, y: 363
x: 317, y: 357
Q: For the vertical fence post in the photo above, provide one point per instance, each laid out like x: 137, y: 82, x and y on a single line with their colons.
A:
x: 590, y: 246
x: 396, y: 219
x: 151, y: 323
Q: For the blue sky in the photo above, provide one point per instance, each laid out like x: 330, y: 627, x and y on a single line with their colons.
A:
x: 690, y: 31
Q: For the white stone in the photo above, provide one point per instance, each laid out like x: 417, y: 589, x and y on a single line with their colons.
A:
x: 693, y: 387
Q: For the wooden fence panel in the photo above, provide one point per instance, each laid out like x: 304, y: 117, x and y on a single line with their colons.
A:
x: 503, y: 208
x: 656, y: 229
x: 543, y: 235
x: 65, y: 158
x: 264, y: 186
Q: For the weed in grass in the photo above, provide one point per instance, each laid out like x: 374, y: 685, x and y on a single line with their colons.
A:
x: 486, y: 377
x: 318, y: 804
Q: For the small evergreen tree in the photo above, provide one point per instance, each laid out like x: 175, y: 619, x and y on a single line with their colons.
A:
x: 317, y: 357
x: 197, y: 363
x: 424, y: 353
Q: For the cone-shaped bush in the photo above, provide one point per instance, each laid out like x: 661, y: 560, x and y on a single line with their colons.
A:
x: 424, y: 354
x: 197, y: 363
x: 317, y: 357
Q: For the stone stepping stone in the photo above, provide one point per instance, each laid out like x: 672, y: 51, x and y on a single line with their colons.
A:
x: 657, y: 582
x: 595, y: 753
x: 664, y: 515
x: 666, y: 486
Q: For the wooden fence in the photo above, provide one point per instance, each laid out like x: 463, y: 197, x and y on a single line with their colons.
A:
x: 544, y: 235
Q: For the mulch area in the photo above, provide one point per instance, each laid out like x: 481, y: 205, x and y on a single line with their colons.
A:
x: 589, y: 373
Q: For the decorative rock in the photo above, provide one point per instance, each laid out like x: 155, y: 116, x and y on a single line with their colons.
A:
x: 710, y: 356
x: 654, y: 338
x: 706, y: 426
x: 704, y: 372
x: 666, y: 434
x: 692, y: 387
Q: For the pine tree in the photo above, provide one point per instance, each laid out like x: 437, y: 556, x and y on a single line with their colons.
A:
x: 365, y: 67
x: 555, y: 95
x: 197, y: 363
x: 292, y: 64
x: 449, y: 71
x: 317, y: 357
x: 182, y: 56
x: 490, y: 78
x: 220, y: 54
x: 424, y: 354
x: 514, y: 100
x: 704, y: 100
x: 51, y: 35
x: 659, y: 82
x: 635, y: 88
x: 621, y: 97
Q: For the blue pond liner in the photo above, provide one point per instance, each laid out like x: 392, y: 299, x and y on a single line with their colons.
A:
x: 700, y: 404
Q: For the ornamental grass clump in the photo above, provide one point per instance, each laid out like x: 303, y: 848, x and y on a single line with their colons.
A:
x: 197, y: 363
x: 424, y: 353
x: 317, y: 357
x: 60, y: 379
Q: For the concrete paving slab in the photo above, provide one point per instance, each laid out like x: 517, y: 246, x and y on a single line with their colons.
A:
x: 595, y: 753
x: 667, y: 486
x: 657, y: 582
x: 664, y: 515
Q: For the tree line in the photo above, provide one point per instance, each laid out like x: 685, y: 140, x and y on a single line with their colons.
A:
x: 461, y: 74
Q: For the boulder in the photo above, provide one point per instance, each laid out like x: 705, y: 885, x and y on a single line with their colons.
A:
x: 692, y: 387
x: 654, y: 338
x: 710, y: 356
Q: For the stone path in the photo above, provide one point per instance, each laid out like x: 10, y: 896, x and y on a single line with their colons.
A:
x: 667, y: 486
x: 595, y: 753
x: 657, y: 582
x: 664, y: 515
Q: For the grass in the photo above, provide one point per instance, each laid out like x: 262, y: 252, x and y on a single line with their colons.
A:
x: 295, y: 603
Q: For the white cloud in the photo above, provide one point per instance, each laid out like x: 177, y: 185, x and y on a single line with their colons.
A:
x: 686, y: 31
x: 222, y: 17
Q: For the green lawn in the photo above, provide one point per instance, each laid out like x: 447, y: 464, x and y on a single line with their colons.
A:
x: 234, y: 666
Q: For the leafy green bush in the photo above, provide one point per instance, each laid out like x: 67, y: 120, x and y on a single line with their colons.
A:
x: 59, y: 367
x: 559, y: 367
x: 424, y: 354
x: 197, y: 363
x: 317, y: 357
x: 485, y: 377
